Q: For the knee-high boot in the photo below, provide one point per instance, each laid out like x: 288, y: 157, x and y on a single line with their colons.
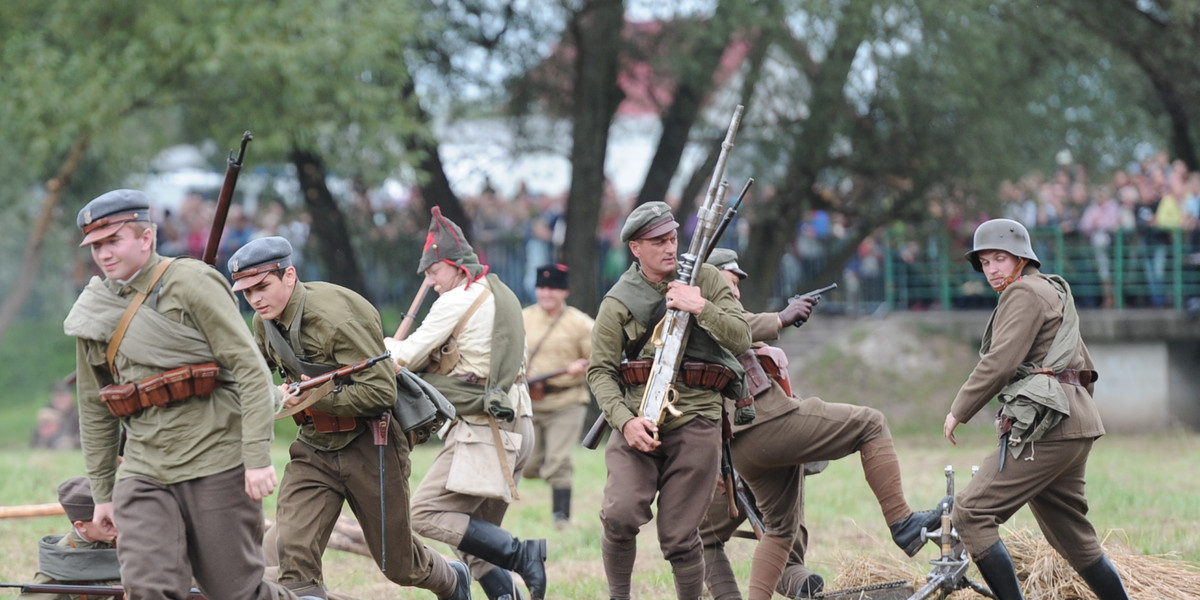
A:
x: 498, y: 584
x: 499, y: 547
x: 1104, y: 580
x: 996, y: 566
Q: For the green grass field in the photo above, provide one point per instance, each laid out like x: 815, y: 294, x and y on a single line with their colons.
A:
x: 1142, y: 492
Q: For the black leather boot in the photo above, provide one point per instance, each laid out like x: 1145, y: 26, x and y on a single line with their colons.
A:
x: 1104, y: 580
x: 499, y: 547
x: 462, y: 591
x: 562, y: 504
x: 996, y: 566
x: 907, y: 531
x: 498, y: 585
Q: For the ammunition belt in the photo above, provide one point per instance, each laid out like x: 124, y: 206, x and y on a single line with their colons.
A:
x: 694, y: 374
x: 169, y: 387
x: 538, y: 391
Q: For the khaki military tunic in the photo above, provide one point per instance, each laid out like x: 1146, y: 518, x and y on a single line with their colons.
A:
x: 338, y: 327
x: 1050, y: 473
x: 680, y: 473
x: 179, y: 457
x: 558, y: 416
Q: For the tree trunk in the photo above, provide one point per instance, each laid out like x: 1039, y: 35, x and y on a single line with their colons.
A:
x: 329, y: 241
x: 595, y: 96
x: 32, y: 259
x: 435, y: 188
x: 775, y: 223
x: 690, y: 94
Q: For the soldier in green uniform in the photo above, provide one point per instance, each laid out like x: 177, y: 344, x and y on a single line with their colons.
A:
x: 471, y: 347
x: 680, y: 458
x: 1033, y: 359
x: 770, y: 452
x: 561, y: 342
x: 85, y: 555
x: 162, y: 352
x: 305, y: 329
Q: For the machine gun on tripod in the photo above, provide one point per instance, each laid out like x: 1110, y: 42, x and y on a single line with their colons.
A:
x: 949, y: 572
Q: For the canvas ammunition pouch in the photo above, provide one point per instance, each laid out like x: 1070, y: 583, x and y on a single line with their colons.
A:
x: 694, y: 374
x: 176, y: 385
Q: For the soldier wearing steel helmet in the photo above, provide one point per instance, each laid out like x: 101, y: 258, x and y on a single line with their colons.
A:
x: 1033, y: 359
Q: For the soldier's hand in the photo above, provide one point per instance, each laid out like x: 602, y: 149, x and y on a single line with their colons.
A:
x: 797, y: 311
x: 102, y: 519
x: 639, y: 434
x: 948, y: 428
x: 290, y: 399
x: 685, y: 297
x: 260, y: 482
x: 577, y: 367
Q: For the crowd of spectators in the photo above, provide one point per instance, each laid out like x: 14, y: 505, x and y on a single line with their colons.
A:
x: 1147, y: 205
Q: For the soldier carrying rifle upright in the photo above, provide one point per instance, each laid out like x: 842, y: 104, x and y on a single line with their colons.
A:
x: 680, y: 457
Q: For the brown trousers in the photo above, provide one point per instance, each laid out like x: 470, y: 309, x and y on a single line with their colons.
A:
x: 557, y: 435
x: 207, y: 528
x: 681, y: 473
x: 315, y: 486
x: 443, y: 515
x: 771, y: 456
x: 1049, y: 476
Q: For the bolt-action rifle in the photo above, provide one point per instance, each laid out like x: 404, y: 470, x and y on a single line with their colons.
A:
x: 224, y: 199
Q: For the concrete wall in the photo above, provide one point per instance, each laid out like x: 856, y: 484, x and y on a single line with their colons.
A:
x: 1134, y: 391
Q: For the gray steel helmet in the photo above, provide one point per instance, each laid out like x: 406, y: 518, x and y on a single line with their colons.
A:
x: 1002, y: 234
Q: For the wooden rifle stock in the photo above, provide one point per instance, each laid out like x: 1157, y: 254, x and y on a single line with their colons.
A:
x: 337, y: 375
x: 224, y: 199
x: 410, y: 317
x: 592, y: 439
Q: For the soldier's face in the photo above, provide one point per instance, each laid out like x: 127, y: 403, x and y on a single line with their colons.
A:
x: 123, y: 253
x: 551, y: 299
x: 443, y: 277
x: 732, y: 279
x: 656, y: 255
x: 270, y: 296
x: 997, y: 265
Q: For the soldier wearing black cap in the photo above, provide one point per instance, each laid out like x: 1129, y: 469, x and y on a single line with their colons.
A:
x: 1035, y: 362
x: 676, y: 461
x: 85, y: 555
x: 772, y: 451
x: 560, y: 339
x: 305, y: 329
x: 471, y: 347
x: 163, y: 353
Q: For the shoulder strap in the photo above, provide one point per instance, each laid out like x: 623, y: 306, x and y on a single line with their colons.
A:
x: 470, y: 312
x: 549, y: 330
x: 115, y: 343
x: 504, y: 466
x: 659, y: 311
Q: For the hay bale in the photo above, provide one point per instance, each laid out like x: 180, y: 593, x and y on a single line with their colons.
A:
x: 1044, y: 575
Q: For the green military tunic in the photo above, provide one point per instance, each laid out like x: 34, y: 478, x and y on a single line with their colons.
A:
x: 337, y: 328
x: 185, y: 440
x: 616, y: 327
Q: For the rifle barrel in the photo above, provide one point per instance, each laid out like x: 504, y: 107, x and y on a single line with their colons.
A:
x: 224, y: 199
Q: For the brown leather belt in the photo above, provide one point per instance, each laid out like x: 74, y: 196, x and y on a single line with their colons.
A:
x: 326, y: 423
x: 694, y: 374
x: 1070, y: 376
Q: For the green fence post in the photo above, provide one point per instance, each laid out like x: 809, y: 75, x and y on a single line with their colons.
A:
x: 1118, y: 270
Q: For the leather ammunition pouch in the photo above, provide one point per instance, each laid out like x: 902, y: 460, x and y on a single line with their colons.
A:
x: 756, y: 377
x: 774, y: 362
x: 176, y: 385
x: 694, y: 374
x: 324, y: 422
